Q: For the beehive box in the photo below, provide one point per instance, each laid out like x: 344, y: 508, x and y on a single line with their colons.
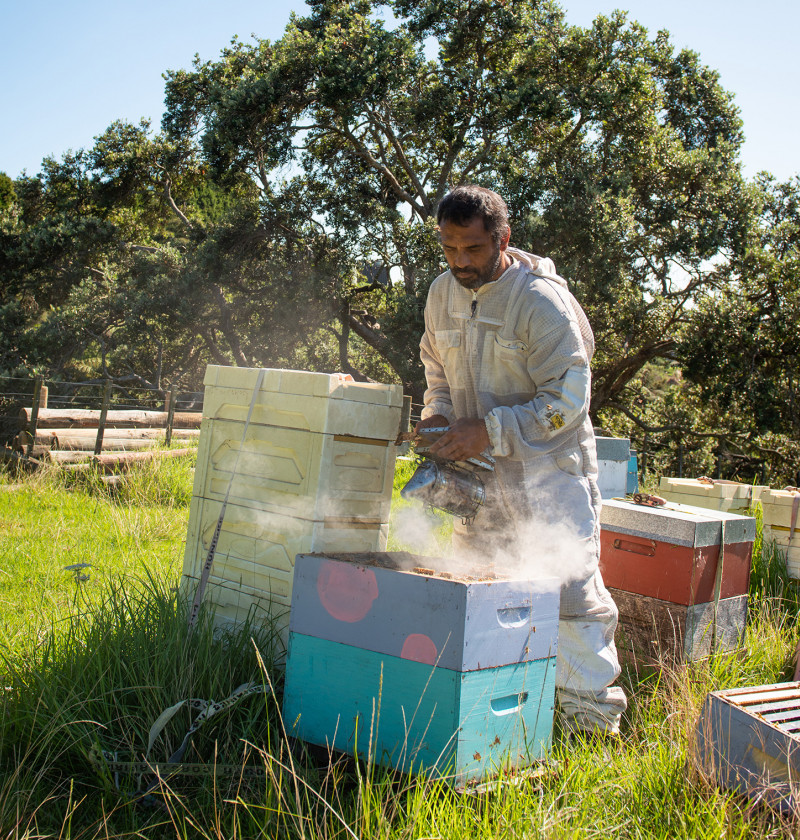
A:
x: 716, y: 494
x: 633, y: 473
x: 312, y: 470
x: 781, y: 509
x: 613, y: 457
x: 662, y: 567
x: 654, y: 631
x: 748, y: 740
x: 454, y: 677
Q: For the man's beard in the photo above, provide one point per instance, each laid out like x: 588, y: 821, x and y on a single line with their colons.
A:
x: 473, y: 279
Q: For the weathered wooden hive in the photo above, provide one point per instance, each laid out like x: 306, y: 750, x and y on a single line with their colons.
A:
x: 679, y: 576
x: 748, y: 740
x: 310, y: 470
x: 452, y: 676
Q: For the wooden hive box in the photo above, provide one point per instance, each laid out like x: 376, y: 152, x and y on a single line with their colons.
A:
x: 662, y: 567
x: 428, y: 673
x: 715, y: 494
x: 748, y: 740
x: 312, y: 470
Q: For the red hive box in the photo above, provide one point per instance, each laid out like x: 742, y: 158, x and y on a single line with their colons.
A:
x: 679, y: 575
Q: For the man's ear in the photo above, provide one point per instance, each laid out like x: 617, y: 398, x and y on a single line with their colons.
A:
x: 505, y: 239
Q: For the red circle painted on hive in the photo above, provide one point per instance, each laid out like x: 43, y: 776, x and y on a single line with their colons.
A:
x: 346, y: 591
x: 420, y: 648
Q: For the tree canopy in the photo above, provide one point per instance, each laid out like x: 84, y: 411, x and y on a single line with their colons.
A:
x: 285, y: 213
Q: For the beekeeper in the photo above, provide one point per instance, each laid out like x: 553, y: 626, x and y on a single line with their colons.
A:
x: 506, y: 352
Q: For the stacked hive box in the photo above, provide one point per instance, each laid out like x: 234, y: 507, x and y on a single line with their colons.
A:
x: 613, y: 458
x: 311, y: 471
x: 782, y: 524
x: 633, y: 472
x: 715, y: 494
x: 678, y: 595
x: 749, y: 740
x: 428, y: 673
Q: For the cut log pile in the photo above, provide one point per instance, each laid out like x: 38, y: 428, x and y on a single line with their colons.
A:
x: 68, y: 437
x: 88, y: 418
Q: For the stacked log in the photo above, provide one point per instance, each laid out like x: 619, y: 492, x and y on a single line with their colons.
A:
x: 68, y: 436
x: 78, y: 438
x: 88, y: 418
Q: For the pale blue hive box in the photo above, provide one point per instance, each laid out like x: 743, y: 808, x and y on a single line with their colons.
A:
x: 454, y: 677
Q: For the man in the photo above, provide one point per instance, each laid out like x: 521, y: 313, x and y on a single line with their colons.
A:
x: 506, y: 351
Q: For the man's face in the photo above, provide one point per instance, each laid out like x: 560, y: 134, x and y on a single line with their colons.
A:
x: 472, y: 254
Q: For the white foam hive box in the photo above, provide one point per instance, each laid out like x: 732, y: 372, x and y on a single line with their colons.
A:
x: 613, y: 455
x: 727, y: 496
x: 780, y: 507
x: 312, y: 471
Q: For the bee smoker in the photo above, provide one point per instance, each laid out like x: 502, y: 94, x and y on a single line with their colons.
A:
x: 446, y: 485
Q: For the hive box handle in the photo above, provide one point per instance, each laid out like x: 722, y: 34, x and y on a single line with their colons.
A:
x: 509, y: 704
x: 513, y: 616
x: 647, y: 548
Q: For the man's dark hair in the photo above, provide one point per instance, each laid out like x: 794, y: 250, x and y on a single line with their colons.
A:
x: 463, y: 204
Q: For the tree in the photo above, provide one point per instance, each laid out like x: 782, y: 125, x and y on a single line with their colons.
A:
x: 743, y: 354
x: 618, y: 158
x: 7, y: 194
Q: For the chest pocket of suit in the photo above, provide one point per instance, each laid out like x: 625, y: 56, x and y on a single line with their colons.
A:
x: 504, y: 367
x: 451, y: 351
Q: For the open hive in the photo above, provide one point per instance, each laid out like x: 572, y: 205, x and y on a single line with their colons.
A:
x: 748, y: 740
x: 448, y: 674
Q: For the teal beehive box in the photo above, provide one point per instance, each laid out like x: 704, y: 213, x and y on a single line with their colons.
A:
x: 450, y: 676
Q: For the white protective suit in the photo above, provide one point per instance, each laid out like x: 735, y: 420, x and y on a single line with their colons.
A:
x: 516, y: 352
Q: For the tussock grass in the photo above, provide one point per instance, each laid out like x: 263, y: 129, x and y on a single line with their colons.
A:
x: 87, y: 667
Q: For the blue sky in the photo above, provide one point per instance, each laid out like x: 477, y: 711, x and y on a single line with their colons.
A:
x: 69, y: 69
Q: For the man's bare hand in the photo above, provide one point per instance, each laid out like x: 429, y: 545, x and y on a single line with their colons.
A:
x: 467, y: 438
x: 437, y: 421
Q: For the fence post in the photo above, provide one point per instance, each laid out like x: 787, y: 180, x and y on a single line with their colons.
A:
x: 38, y: 382
x: 171, y: 395
x: 101, y: 426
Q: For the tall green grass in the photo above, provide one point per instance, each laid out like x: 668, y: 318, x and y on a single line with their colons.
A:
x: 87, y: 667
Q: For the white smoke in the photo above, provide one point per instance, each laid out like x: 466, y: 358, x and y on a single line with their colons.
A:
x: 417, y: 529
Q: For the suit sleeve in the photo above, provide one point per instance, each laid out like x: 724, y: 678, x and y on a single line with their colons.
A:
x: 558, y: 367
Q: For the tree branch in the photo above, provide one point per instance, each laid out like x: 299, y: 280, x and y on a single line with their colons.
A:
x: 363, y: 152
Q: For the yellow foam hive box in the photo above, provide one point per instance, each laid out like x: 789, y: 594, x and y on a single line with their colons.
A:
x: 311, y: 472
x: 235, y: 604
x: 299, y: 473
x: 297, y: 399
x: 790, y: 549
x: 777, y: 507
x: 255, y: 552
x: 729, y: 496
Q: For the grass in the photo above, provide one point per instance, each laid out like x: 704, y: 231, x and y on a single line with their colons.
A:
x: 87, y: 667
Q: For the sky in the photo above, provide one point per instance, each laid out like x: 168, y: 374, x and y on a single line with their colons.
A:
x: 69, y: 69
